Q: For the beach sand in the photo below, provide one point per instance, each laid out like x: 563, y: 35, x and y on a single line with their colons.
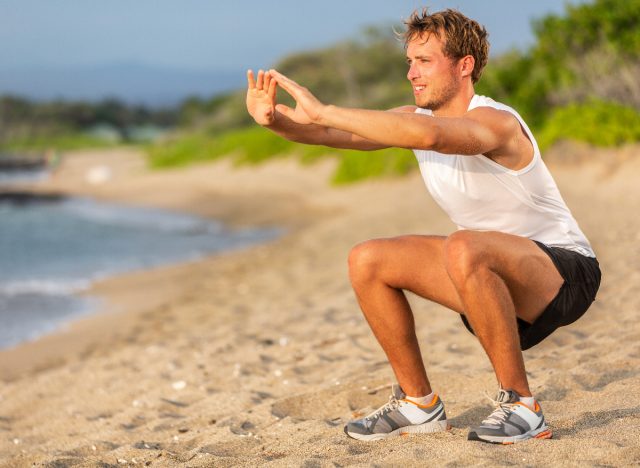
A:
x: 258, y: 357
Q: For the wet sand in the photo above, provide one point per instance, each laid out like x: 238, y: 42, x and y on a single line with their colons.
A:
x: 258, y: 357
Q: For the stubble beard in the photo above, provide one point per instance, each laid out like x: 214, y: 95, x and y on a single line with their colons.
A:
x: 441, y: 96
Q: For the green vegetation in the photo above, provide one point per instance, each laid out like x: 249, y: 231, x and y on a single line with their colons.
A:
x: 578, y: 81
x: 589, y: 55
x: 596, y: 122
x: 60, y: 142
x: 248, y: 145
x: 358, y: 165
x: 29, y: 125
x: 254, y: 145
x: 369, y: 73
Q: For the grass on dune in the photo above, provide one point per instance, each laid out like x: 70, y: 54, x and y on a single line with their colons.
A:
x: 596, y: 122
x: 61, y: 142
x: 599, y: 123
x: 255, y: 145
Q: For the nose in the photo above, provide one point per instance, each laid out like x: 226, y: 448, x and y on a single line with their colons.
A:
x: 413, y: 72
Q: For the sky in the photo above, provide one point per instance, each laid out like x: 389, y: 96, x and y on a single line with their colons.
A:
x: 74, y: 46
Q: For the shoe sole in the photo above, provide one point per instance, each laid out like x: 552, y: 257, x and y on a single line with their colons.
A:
x: 426, y: 428
x: 542, y: 433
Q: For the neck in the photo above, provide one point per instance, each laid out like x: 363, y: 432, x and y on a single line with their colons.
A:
x: 459, y: 104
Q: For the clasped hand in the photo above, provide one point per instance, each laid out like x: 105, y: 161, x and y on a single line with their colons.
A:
x: 261, y: 99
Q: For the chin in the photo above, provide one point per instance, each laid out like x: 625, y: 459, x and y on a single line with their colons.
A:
x: 422, y: 103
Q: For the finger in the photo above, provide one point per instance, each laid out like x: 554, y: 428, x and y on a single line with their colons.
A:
x: 260, y: 81
x: 287, y: 84
x: 273, y: 84
x: 285, y: 110
x: 267, y: 80
x: 280, y: 77
x: 251, y: 82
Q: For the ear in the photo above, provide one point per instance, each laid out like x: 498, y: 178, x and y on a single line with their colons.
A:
x: 467, y: 63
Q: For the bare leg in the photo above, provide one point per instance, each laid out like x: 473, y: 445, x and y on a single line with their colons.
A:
x: 491, y: 277
x: 379, y: 270
x: 498, y: 277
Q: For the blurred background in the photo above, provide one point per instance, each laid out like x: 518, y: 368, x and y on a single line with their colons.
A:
x: 75, y: 74
x: 167, y: 79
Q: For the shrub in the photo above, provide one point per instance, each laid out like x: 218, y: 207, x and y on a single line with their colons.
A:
x: 359, y: 165
x: 596, y: 122
x: 255, y: 145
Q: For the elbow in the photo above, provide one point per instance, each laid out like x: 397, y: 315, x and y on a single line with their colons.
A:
x: 428, y: 141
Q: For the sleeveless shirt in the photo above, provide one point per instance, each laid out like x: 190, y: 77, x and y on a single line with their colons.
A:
x: 479, y: 194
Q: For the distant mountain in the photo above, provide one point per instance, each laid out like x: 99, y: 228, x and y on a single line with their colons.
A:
x: 130, y: 82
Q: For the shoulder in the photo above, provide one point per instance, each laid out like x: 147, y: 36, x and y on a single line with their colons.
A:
x: 404, y: 109
x: 486, y: 109
x: 499, y: 119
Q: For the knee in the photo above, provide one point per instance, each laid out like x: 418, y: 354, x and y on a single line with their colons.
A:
x: 464, y: 255
x: 364, y: 261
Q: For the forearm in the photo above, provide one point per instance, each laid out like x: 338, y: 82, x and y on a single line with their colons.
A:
x: 403, y: 130
x: 316, y: 134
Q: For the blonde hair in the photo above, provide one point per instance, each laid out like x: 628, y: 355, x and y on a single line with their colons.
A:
x: 462, y: 36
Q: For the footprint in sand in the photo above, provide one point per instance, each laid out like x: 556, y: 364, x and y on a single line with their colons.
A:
x: 331, y: 404
x: 469, y: 417
x: 142, y: 445
x: 244, y: 445
x: 595, y: 381
x: 591, y: 420
x: 552, y: 393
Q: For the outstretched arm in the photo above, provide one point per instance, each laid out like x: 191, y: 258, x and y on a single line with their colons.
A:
x: 294, y: 124
x: 480, y: 131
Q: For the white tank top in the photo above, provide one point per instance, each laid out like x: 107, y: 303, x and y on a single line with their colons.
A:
x: 481, y: 195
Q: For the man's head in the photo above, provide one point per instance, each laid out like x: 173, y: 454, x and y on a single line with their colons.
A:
x: 461, y: 36
x: 443, y: 49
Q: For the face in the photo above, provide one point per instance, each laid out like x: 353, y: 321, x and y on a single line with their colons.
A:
x: 432, y: 75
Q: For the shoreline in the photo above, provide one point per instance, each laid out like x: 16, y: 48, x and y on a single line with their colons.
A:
x: 258, y: 357
x: 83, y: 335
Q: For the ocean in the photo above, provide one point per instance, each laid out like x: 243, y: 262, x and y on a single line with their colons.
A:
x: 51, y: 249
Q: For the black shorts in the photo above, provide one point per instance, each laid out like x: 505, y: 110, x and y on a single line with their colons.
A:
x: 581, y: 276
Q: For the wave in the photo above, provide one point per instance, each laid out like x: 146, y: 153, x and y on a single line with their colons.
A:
x: 22, y: 176
x: 43, y: 287
x: 139, y: 217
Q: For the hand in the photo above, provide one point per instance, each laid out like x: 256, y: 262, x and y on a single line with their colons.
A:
x: 261, y: 97
x: 308, y: 108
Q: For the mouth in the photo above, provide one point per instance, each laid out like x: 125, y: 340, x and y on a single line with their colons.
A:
x: 417, y: 89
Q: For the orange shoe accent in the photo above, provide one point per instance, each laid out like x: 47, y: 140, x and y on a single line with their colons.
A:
x: 433, y: 402
x: 535, y: 409
x: 544, y: 435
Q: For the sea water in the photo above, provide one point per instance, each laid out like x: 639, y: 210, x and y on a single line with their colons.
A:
x: 52, y: 249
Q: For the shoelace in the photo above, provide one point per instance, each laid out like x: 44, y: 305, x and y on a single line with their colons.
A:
x: 392, y: 404
x: 500, y: 414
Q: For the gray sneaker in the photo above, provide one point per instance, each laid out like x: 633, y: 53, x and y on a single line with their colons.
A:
x: 399, y: 417
x: 512, y: 421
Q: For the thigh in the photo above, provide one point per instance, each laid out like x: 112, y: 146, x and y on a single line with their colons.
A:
x: 530, y: 275
x: 416, y: 263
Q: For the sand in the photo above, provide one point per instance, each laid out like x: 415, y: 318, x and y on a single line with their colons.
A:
x: 258, y: 357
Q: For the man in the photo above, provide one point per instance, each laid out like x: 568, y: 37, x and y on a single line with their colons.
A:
x: 518, y: 267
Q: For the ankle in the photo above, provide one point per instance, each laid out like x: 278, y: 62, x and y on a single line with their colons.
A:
x: 421, y: 400
x: 529, y: 401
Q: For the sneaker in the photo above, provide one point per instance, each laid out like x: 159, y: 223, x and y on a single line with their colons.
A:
x: 399, y: 417
x: 512, y: 421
